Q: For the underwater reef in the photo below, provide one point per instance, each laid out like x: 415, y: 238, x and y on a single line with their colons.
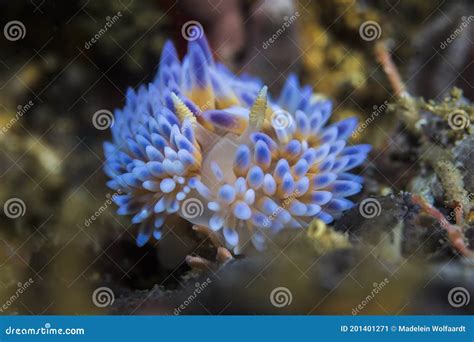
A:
x: 195, y: 146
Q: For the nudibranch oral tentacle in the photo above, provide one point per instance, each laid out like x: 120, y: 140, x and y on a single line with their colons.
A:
x: 216, y: 149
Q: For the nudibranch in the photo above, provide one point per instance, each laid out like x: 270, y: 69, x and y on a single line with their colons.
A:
x: 216, y: 149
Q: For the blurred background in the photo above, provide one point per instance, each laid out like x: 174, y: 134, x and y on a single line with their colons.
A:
x: 63, y: 61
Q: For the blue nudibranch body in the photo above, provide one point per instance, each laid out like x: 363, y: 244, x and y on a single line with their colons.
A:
x: 216, y: 149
